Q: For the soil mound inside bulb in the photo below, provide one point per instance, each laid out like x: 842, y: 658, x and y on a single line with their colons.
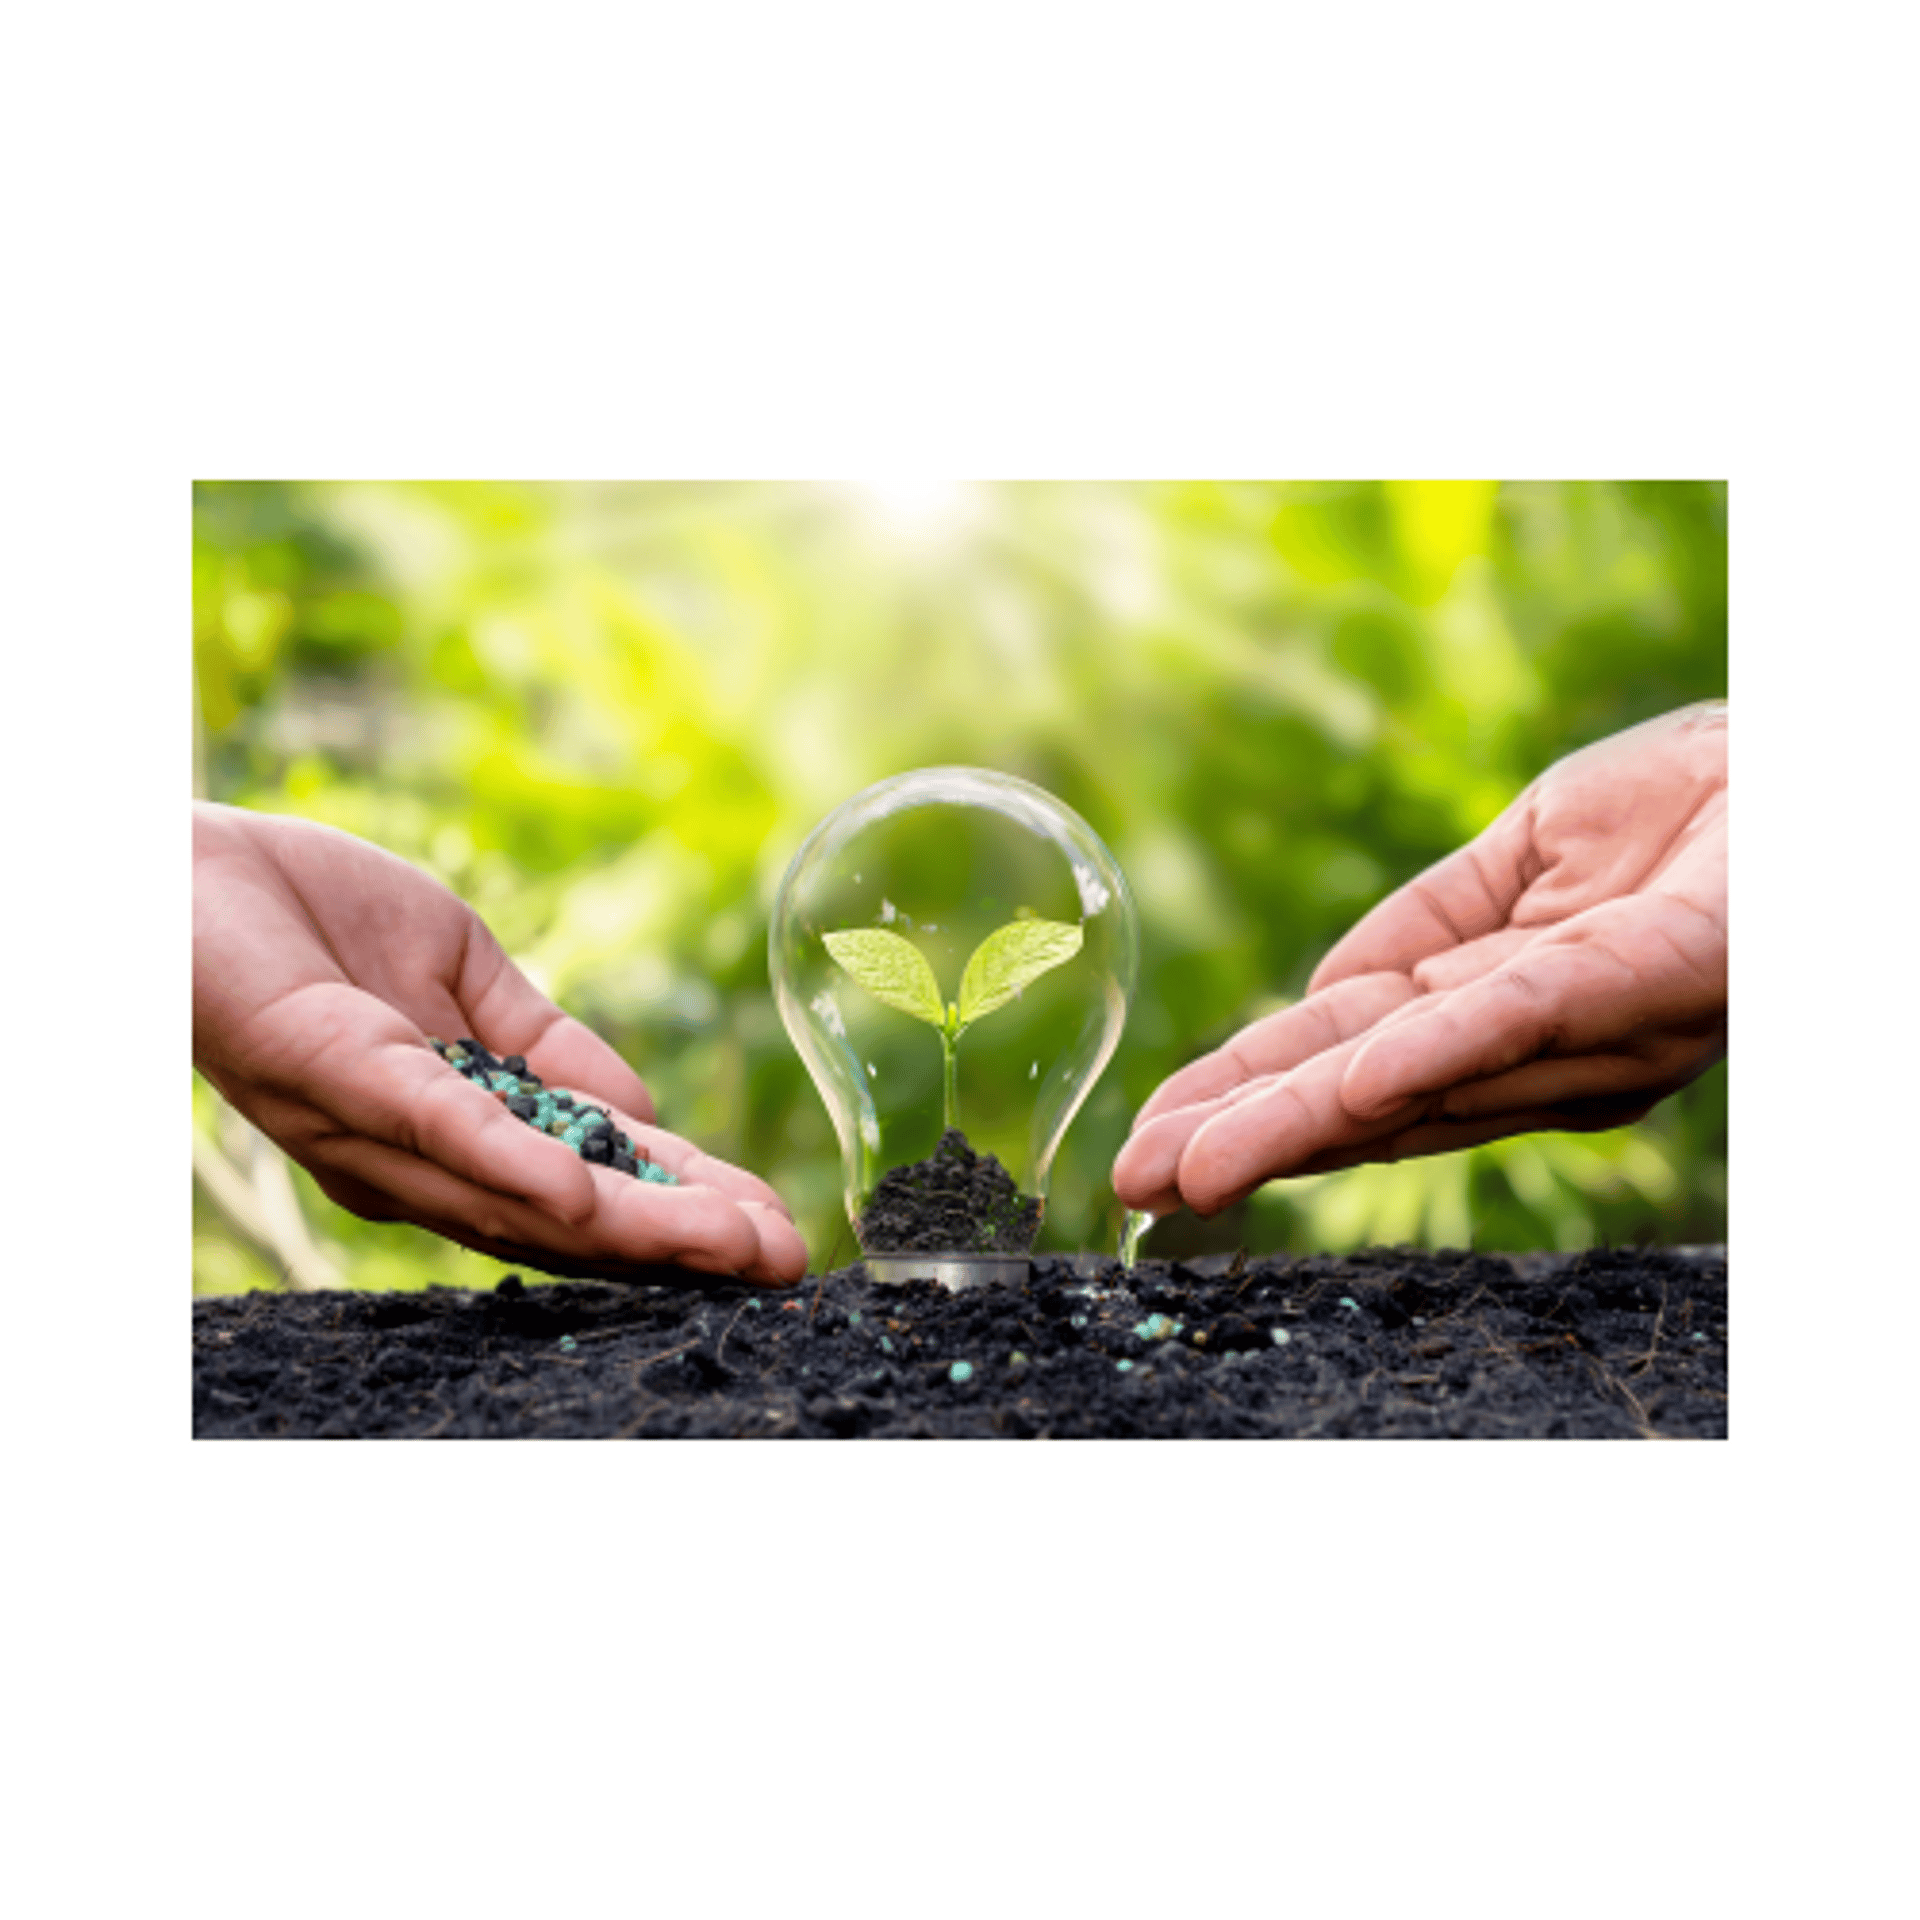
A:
x: 957, y: 1201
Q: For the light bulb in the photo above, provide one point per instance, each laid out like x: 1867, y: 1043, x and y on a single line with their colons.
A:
x: 953, y: 953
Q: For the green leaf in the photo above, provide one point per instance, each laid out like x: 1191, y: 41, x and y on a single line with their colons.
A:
x: 893, y: 970
x: 1010, y: 958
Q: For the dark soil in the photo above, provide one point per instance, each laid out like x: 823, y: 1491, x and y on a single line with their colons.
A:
x: 1607, y: 1344
x: 958, y: 1201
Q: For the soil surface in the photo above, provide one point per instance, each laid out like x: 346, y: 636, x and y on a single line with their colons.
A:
x: 1608, y: 1344
x: 957, y: 1201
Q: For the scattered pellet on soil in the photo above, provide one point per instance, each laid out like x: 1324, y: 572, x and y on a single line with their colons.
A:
x: 1593, y: 1345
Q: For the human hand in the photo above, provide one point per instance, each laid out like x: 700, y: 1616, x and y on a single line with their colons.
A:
x: 1567, y: 969
x: 320, y: 966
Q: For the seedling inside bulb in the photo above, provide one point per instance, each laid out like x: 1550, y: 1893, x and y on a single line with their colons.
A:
x: 895, y: 971
x: 906, y: 891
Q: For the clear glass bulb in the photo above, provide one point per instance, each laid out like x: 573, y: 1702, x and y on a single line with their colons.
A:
x: 953, y: 952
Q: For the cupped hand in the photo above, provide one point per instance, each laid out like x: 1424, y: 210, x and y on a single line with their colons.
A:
x: 320, y: 967
x: 1565, y: 970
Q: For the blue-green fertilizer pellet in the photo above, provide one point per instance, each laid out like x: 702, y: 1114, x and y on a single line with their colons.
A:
x: 588, y: 1130
x: 960, y: 1372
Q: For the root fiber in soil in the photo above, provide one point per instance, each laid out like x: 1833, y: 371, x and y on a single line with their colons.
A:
x: 1618, y: 1343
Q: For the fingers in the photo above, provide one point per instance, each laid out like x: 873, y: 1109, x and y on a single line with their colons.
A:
x: 699, y: 1235
x: 1608, y: 980
x: 783, y: 1253
x: 1582, y: 1026
x: 367, y: 1069
x: 780, y: 1260
x: 1457, y: 965
x: 698, y: 1227
x: 1429, y: 1137
x: 1477, y: 1031
x: 687, y: 1163
x: 1461, y: 898
x: 1146, y: 1172
x: 1277, y: 1129
x: 632, y: 1223
x: 1454, y: 1136
x: 1282, y: 1040
x: 1553, y: 1084
x: 1277, y: 1124
x: 1300, y: 1123
x: 739, y: 1226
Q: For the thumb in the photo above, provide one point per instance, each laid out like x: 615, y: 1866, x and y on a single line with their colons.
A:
x: 1463, y: 897
x: 511, y: 1015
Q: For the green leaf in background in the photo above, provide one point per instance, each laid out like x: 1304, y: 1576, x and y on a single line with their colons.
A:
x: 892, y: 969
x: 1010, y: 958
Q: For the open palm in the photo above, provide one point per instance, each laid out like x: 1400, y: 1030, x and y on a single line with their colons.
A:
x: 1567, y: 969
x: 321, y: 966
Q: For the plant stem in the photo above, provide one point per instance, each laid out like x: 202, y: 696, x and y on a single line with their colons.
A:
x: 951, y: 1049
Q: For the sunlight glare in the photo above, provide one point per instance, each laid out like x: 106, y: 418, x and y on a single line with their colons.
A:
x: 917, y: 509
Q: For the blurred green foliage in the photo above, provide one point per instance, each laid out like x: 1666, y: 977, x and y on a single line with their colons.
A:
x: 608, y: 714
